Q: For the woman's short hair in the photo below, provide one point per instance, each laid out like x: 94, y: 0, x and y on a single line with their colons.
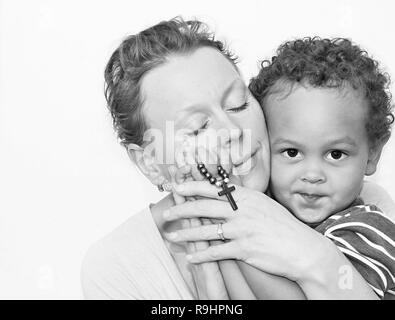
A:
x: 140, y: 53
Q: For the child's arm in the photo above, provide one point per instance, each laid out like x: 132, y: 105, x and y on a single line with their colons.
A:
x: 270, y: 287
x: 246, y: 282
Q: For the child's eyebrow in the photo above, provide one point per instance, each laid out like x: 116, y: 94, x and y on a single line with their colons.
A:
x: 344, y: 140
x: 286, y: 141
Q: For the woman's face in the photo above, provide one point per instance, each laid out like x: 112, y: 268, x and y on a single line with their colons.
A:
x: 199, y: 109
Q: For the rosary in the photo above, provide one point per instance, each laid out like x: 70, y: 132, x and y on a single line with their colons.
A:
x: 226, y: 190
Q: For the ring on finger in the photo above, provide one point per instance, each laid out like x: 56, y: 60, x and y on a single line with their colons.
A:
x: 220, y: 232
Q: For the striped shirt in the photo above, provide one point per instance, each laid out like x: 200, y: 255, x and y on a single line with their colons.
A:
x: 367, y: 238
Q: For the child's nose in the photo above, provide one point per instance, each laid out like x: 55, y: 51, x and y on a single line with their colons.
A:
x: 313, y: 179
x: 313, y: 174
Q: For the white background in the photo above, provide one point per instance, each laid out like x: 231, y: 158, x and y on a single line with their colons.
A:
x: 64, y: 180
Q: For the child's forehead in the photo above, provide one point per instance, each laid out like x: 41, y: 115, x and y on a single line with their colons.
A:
x: 304, y: 110
x: 284, y: 87
x: 292, y: 95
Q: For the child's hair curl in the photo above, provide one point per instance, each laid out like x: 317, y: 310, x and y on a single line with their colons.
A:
x: 331, y: 63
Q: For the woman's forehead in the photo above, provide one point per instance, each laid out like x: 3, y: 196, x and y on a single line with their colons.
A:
x: 187, y: 81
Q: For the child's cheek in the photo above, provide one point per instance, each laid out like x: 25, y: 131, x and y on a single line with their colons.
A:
x: 279, y: 176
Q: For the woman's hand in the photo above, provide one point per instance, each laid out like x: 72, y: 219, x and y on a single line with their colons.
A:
x: 261, y: 232
x: 265, y: 235
x: 207, y: 276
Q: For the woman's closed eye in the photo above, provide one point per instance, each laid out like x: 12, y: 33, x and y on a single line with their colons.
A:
x: 243, y: 107
x: 203, y: 127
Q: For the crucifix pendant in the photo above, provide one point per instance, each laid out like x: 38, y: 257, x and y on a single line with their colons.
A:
x: 226, y: 191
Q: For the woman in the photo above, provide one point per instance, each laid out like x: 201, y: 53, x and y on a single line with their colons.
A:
x: 177, y: 70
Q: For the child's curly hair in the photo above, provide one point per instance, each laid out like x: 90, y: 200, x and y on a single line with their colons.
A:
x: 331, y: 63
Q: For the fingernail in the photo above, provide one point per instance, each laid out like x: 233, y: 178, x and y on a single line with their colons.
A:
x: 188, y: 257
x: 172, y: 235
x: 166, y: 214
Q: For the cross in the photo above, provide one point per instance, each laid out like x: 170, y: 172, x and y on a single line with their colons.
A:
x: 227, y: 192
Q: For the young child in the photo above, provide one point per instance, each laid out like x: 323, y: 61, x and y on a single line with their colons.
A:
x: 328, y: 112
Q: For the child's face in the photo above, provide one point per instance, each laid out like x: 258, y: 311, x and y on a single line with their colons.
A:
x: 319, y: 149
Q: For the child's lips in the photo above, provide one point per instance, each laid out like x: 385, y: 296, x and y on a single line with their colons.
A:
x: 310, y: 197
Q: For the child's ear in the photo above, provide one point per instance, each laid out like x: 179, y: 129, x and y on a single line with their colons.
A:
x: 146, y: 163
x: 374, y: 156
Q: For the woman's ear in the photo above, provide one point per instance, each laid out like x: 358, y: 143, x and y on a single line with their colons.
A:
x: 146, y: 163
x: 374, y: 156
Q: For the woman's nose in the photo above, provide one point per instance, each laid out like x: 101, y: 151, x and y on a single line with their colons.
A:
x: 229, y: 132
x: 229, y: 138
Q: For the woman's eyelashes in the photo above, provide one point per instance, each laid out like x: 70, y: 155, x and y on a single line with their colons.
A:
x: 243, y: 107
x: 203, y: 127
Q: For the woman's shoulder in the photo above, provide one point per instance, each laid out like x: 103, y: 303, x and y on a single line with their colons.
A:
x: 372, y: 193
x: 130, y: 235
x: 110, y: 264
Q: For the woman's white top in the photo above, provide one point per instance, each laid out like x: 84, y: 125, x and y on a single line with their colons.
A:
x: 133, y: 262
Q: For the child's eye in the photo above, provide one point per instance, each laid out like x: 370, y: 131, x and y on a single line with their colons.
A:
x: 241, y: 108
x: 336, y: 155
x: 291, y: 153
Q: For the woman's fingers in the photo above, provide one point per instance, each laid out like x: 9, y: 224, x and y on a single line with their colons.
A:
x: 203, y: 208
x: 215, y: 253
x: 178, y: 199
x: 208, y: 158
x: 205, y: 189
x: 182, y: 174
x: 206, y: 221
x: 199, y: 245
x: 205, y: 232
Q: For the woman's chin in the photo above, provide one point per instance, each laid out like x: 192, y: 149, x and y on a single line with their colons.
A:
x: 255, y: 180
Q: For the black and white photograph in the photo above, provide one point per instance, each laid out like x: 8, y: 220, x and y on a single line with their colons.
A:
x: 197, y: 150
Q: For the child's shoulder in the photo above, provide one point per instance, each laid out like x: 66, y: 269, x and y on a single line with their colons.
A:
x: 359, y: 216
x: 366, y: 236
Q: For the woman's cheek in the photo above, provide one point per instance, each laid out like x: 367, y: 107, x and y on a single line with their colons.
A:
x: 181, y: 152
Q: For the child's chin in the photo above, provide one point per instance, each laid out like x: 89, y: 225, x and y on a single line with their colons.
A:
x: 311, y: 217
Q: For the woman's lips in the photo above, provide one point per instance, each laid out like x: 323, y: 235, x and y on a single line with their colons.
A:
x: 246, y: 166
